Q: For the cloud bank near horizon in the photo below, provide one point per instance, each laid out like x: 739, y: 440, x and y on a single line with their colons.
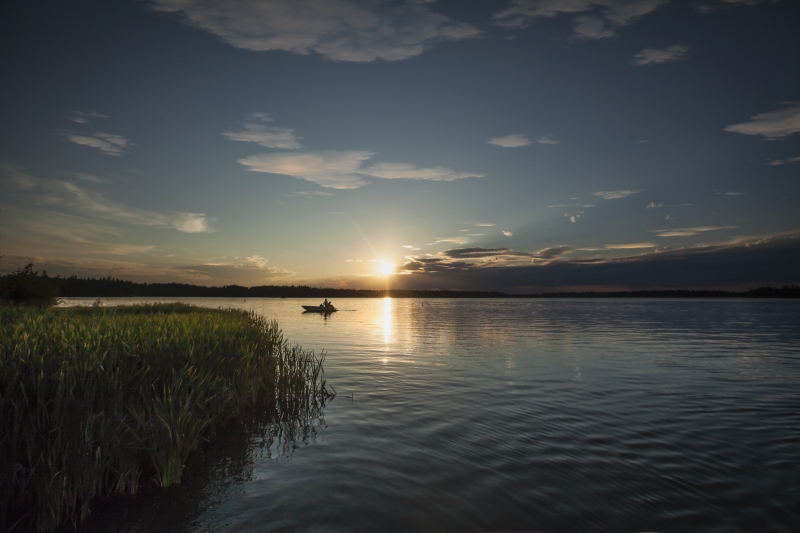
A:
x: 739, y: 264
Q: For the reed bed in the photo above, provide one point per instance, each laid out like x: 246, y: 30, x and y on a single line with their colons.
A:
x: 95, y: 402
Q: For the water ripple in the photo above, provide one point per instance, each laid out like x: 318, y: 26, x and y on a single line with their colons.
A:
x: 560, y: 416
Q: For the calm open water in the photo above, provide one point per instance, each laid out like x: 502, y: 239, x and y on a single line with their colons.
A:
x: 485, y: 415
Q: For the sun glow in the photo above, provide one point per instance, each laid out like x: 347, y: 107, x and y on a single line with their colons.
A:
x: 386, y: 269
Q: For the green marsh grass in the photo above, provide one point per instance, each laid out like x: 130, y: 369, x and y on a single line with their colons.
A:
x: 95, y: 402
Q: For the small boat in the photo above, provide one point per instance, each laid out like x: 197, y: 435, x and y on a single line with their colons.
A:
x: 319, y: 308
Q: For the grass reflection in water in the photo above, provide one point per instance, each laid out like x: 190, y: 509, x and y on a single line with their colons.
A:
x: 214, y: 471
x: 97, y: 402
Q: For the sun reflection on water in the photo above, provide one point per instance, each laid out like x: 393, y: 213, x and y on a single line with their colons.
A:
x: 388, y: 331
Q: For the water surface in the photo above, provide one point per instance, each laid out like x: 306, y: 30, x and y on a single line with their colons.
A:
x: 485, y: 415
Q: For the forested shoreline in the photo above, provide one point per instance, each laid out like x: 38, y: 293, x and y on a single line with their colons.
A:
x: 111, y: 287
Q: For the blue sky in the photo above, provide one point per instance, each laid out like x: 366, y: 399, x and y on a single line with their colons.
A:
x: 523, y: 145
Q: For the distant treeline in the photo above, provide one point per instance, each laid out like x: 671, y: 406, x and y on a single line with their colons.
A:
x: 787, y: 291
x: 110, y: 287
x: 74, y: 286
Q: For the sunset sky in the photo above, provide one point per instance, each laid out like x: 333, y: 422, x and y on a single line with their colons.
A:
x: 521, y: 145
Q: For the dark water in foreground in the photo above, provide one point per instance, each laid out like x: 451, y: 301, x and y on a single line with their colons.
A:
x: 554, y: 415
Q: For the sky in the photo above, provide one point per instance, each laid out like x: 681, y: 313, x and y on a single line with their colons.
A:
x: 518, y: 145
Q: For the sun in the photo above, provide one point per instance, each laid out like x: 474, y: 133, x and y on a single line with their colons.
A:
x: 385, y: 268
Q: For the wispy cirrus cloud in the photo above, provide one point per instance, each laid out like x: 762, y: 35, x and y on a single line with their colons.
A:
x: 705, y: 6
x: 336, y: 170
x: 482, y: 253
x: 255, y: 131
x: 545, y: 139
x: 411, y: 172
x: 510, y: 141
x: 613, y: 195
x: 88, y: 177
x: 592, y: 19
x: 452, y: 240
x: 688, y: 232
x: 310, y: 194
x: 569, y: 205
x: 53, y: 238
x: 773, y: 125
x: 629, y: 246
x: 776, y: 162
x: 343, y: 30
x: 88, y: 203
x: 650, y: 56
x: 82, y: 117
x: 344, y: 170
x: 271, y: 137
x: 518, y: 140
x: 56, y: 233
x: 105, y: 142
x: 252, y: 270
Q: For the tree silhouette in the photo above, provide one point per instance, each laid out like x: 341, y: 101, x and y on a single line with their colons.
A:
x: 26, y: 286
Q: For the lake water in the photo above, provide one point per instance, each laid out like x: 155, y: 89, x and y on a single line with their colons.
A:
x: 487, y: 415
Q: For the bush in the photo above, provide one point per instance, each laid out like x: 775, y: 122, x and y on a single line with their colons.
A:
x: 26, y: 286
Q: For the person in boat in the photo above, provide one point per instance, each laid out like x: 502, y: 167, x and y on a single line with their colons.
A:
x: 326, y: 303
